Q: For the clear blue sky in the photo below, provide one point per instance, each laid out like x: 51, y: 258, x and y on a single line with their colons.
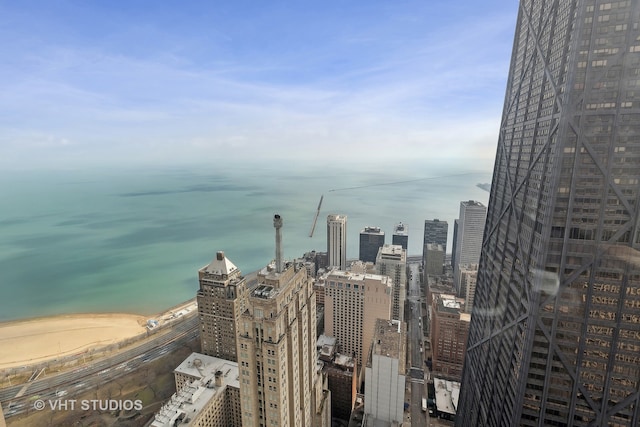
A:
x: 157, y: 82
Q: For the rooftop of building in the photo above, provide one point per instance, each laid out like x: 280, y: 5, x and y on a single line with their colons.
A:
x: 389, y: 340
x: 472, y: 203
x: 325, y: 340
x: 220, y: 266
x: 446, y: 303
x: 401, y: 230
x: 270, y: 282
x: 447, y: 394
x: 372, y: 230
x: 201, y: 366
x: 393, y: 250
x: 440, y: 284
x: 436, y: 220
x: 362, y: 267
x: 344, y: 361
x: 348, y: 275
x: 326, y: 347
x: 264, y: 291
x: 336, y: 217
x: 212, y: 375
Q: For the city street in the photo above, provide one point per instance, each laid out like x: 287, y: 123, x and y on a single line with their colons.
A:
x: 416, y: 352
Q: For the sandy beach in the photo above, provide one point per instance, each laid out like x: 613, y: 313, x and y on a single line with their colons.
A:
x: 36, y: 340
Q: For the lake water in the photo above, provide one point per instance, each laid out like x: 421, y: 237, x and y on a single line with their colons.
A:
x: 133, y: 240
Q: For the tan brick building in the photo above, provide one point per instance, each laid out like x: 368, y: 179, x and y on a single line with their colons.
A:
x: 221, y: 299
x: 353, y: 302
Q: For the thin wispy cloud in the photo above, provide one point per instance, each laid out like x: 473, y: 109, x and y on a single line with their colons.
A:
x: 389, y: 80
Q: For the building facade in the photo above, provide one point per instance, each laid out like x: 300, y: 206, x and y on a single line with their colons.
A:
x: 207, y: 395
x: 279, y: 383
x: 221, y: 299
x: 392, y: 261
x: 433, y: 259
x: 371, y: 239
x: 468, y: 279
x: 353, y: 303
x: 555, y: 330
x: 276, y: 346
x: 401, y: 236
x: 385, y: 378
x: 342, y: 377
x: 470, y: 230
x: 337, y: 241
x: 435, y: 231
x: 449, y: 331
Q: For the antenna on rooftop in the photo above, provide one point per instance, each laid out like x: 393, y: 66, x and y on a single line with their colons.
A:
x: 277, y: 223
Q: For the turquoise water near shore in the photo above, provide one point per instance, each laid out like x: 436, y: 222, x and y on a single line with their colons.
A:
x: 133, y: 240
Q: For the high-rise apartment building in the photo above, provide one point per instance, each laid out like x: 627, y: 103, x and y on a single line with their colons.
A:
x: 371, y: 239
x: 352, y: 303
x: 555, y: 330
x: 449, y: 331
x: 435, y: 231
x: 433, y: 259
x: 221, y: 299
x: 401, y: 235
x: 468, y: 278
x: 470, y: 228
x: 276, y: 347
x: 392, y: 261
x: 337, y: 241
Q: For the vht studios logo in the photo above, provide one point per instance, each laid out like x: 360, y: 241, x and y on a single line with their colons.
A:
x: 88, y: 405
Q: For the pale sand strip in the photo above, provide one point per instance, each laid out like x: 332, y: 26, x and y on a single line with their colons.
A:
x: 36, y: 340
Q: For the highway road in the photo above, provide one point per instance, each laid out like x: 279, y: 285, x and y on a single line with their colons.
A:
x: 18, y: 398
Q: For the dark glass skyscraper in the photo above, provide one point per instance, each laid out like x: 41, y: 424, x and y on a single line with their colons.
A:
x: 401, y: 235
x: 555, y: 330
x: 371, y: 240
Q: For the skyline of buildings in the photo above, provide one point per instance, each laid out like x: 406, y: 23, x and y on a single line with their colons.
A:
x: 555, y: 330
x: 554, y: 338
x: 554, y: 334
